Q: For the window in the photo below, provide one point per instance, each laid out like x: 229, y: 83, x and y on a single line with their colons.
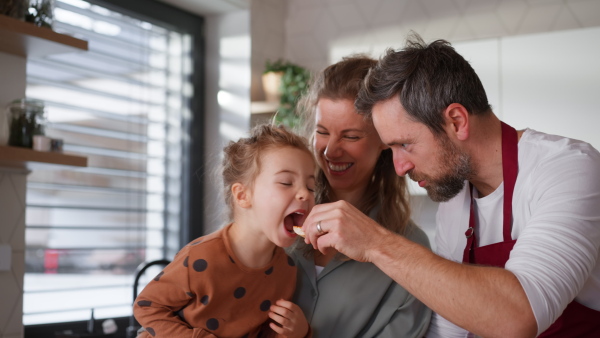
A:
x: 124, y: 105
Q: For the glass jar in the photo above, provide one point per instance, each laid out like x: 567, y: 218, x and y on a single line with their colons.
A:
x: 41, y: 13
x: 14, y: 8
x: 26, y: 118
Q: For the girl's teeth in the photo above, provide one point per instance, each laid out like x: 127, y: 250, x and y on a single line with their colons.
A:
x: 339, y: 167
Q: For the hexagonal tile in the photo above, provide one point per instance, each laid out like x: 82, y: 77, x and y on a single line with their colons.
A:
x: 462, y: 32
x: 346, y: 15
x: 17, y: 237
x: 511, y: 13
x: 483, y: 6
x: 440, y: 28
x: 566, y: 20
x: 12, y: 206
x: 324, y: 31
x: 386, y: 37
x: 303, y: 48
x: 14, y: 325
x: 302, y: 20
x: 539, y: 18
x: 462, y: 4
x: 586, y: 12
x: 414, y: 17
x: 485, y: 25
x: 440, y: 9
x: 389, y: 12
x: 368, y: 8
x: 10, y: 293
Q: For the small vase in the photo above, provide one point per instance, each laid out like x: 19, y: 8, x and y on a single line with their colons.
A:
x: 271, y: 82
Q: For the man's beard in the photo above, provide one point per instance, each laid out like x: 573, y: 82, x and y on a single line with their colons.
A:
x: 455, y: 169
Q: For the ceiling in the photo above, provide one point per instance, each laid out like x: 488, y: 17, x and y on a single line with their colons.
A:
x: 208, y: 7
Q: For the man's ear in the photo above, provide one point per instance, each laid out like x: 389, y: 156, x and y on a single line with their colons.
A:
x: 457, y: 121
x: 241, y: 195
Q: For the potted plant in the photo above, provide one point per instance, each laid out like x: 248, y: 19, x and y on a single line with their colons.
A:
x: 293, y: 81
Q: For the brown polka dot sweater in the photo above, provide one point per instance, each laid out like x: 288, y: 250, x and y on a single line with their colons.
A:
x: 207, y: 292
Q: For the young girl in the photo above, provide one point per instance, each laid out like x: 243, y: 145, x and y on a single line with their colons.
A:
x: 228, y: 283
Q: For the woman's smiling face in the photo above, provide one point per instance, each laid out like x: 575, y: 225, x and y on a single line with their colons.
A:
x: 346, y: 146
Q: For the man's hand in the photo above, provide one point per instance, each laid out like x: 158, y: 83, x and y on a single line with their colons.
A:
x: 290, y: 318
x: 344, y: 228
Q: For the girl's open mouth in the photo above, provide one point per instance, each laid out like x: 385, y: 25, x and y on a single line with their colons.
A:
x: 293, y: 219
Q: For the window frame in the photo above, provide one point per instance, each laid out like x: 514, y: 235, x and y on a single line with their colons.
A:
x: 191, y: 220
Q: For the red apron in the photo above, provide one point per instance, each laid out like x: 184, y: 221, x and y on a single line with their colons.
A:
x: 576, y: 320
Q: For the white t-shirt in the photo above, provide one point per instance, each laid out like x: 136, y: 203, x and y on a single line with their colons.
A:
x: 556, y: 221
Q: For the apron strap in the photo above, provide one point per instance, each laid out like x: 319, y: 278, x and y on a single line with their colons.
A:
x: 510, y: 169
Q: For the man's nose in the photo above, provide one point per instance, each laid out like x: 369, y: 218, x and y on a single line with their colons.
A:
x: 402, y: 165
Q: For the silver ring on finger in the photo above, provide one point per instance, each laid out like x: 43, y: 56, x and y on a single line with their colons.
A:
x: 319, y: 229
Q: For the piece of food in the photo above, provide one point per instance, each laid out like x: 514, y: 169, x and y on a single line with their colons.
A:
x: 299, y: 231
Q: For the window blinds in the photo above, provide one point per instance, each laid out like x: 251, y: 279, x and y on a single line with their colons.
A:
x: 122, y: 104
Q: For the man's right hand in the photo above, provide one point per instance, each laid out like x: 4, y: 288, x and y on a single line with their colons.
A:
x: 344, y: 228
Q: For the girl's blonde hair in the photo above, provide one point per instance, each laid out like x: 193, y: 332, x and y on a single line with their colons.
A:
x: 241, y: 160
x: 386, y: 194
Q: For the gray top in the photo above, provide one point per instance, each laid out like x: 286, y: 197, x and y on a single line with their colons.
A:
x: 354, y: 299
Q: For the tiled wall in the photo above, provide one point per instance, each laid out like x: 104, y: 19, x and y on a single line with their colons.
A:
x: 12, y: 209
x: 319, y: 32
x: 12, y: 232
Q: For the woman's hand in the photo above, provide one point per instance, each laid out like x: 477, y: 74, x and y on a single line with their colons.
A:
x: 290, y: 318
x: 344, y: 228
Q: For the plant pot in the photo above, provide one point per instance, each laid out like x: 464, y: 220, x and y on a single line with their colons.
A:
x: 271, y: 82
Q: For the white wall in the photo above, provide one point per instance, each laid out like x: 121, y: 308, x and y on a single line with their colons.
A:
x: 536, y: 69
x: 227, y: 103
x: 545, y: 81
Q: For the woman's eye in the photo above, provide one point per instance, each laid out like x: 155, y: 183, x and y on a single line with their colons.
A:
x: 285, y: 183
x: 310, y: 189
x: 352, y: 138
x: 321, y: 132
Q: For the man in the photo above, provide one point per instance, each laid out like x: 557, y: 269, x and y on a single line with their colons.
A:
x: 518, y: 246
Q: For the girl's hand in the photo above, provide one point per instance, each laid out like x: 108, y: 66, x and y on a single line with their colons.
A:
x: 291, y: 320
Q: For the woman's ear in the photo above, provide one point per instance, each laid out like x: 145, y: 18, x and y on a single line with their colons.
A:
x: 457, y: 118
x: 241, y: 195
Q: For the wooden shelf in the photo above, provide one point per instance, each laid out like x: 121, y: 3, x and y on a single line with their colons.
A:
x: 25, y: 39
x: 15, y: 157
x: 263, y: 107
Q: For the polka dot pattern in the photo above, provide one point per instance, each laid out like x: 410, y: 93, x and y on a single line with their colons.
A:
x: 212, y: 324
x: 239, y: 292
x: 209, y: 295
x: 144, y: 303
x: 200, y: 265
x: 264, y: 306
x: 159, y: 275
x: 180, y: 315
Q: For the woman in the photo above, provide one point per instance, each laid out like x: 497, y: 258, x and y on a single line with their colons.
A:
x: 341, y: 297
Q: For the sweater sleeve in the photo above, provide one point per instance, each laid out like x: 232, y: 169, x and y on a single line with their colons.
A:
x: 412, y: 317
x: 560, y: 245
x: 157, y: 305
